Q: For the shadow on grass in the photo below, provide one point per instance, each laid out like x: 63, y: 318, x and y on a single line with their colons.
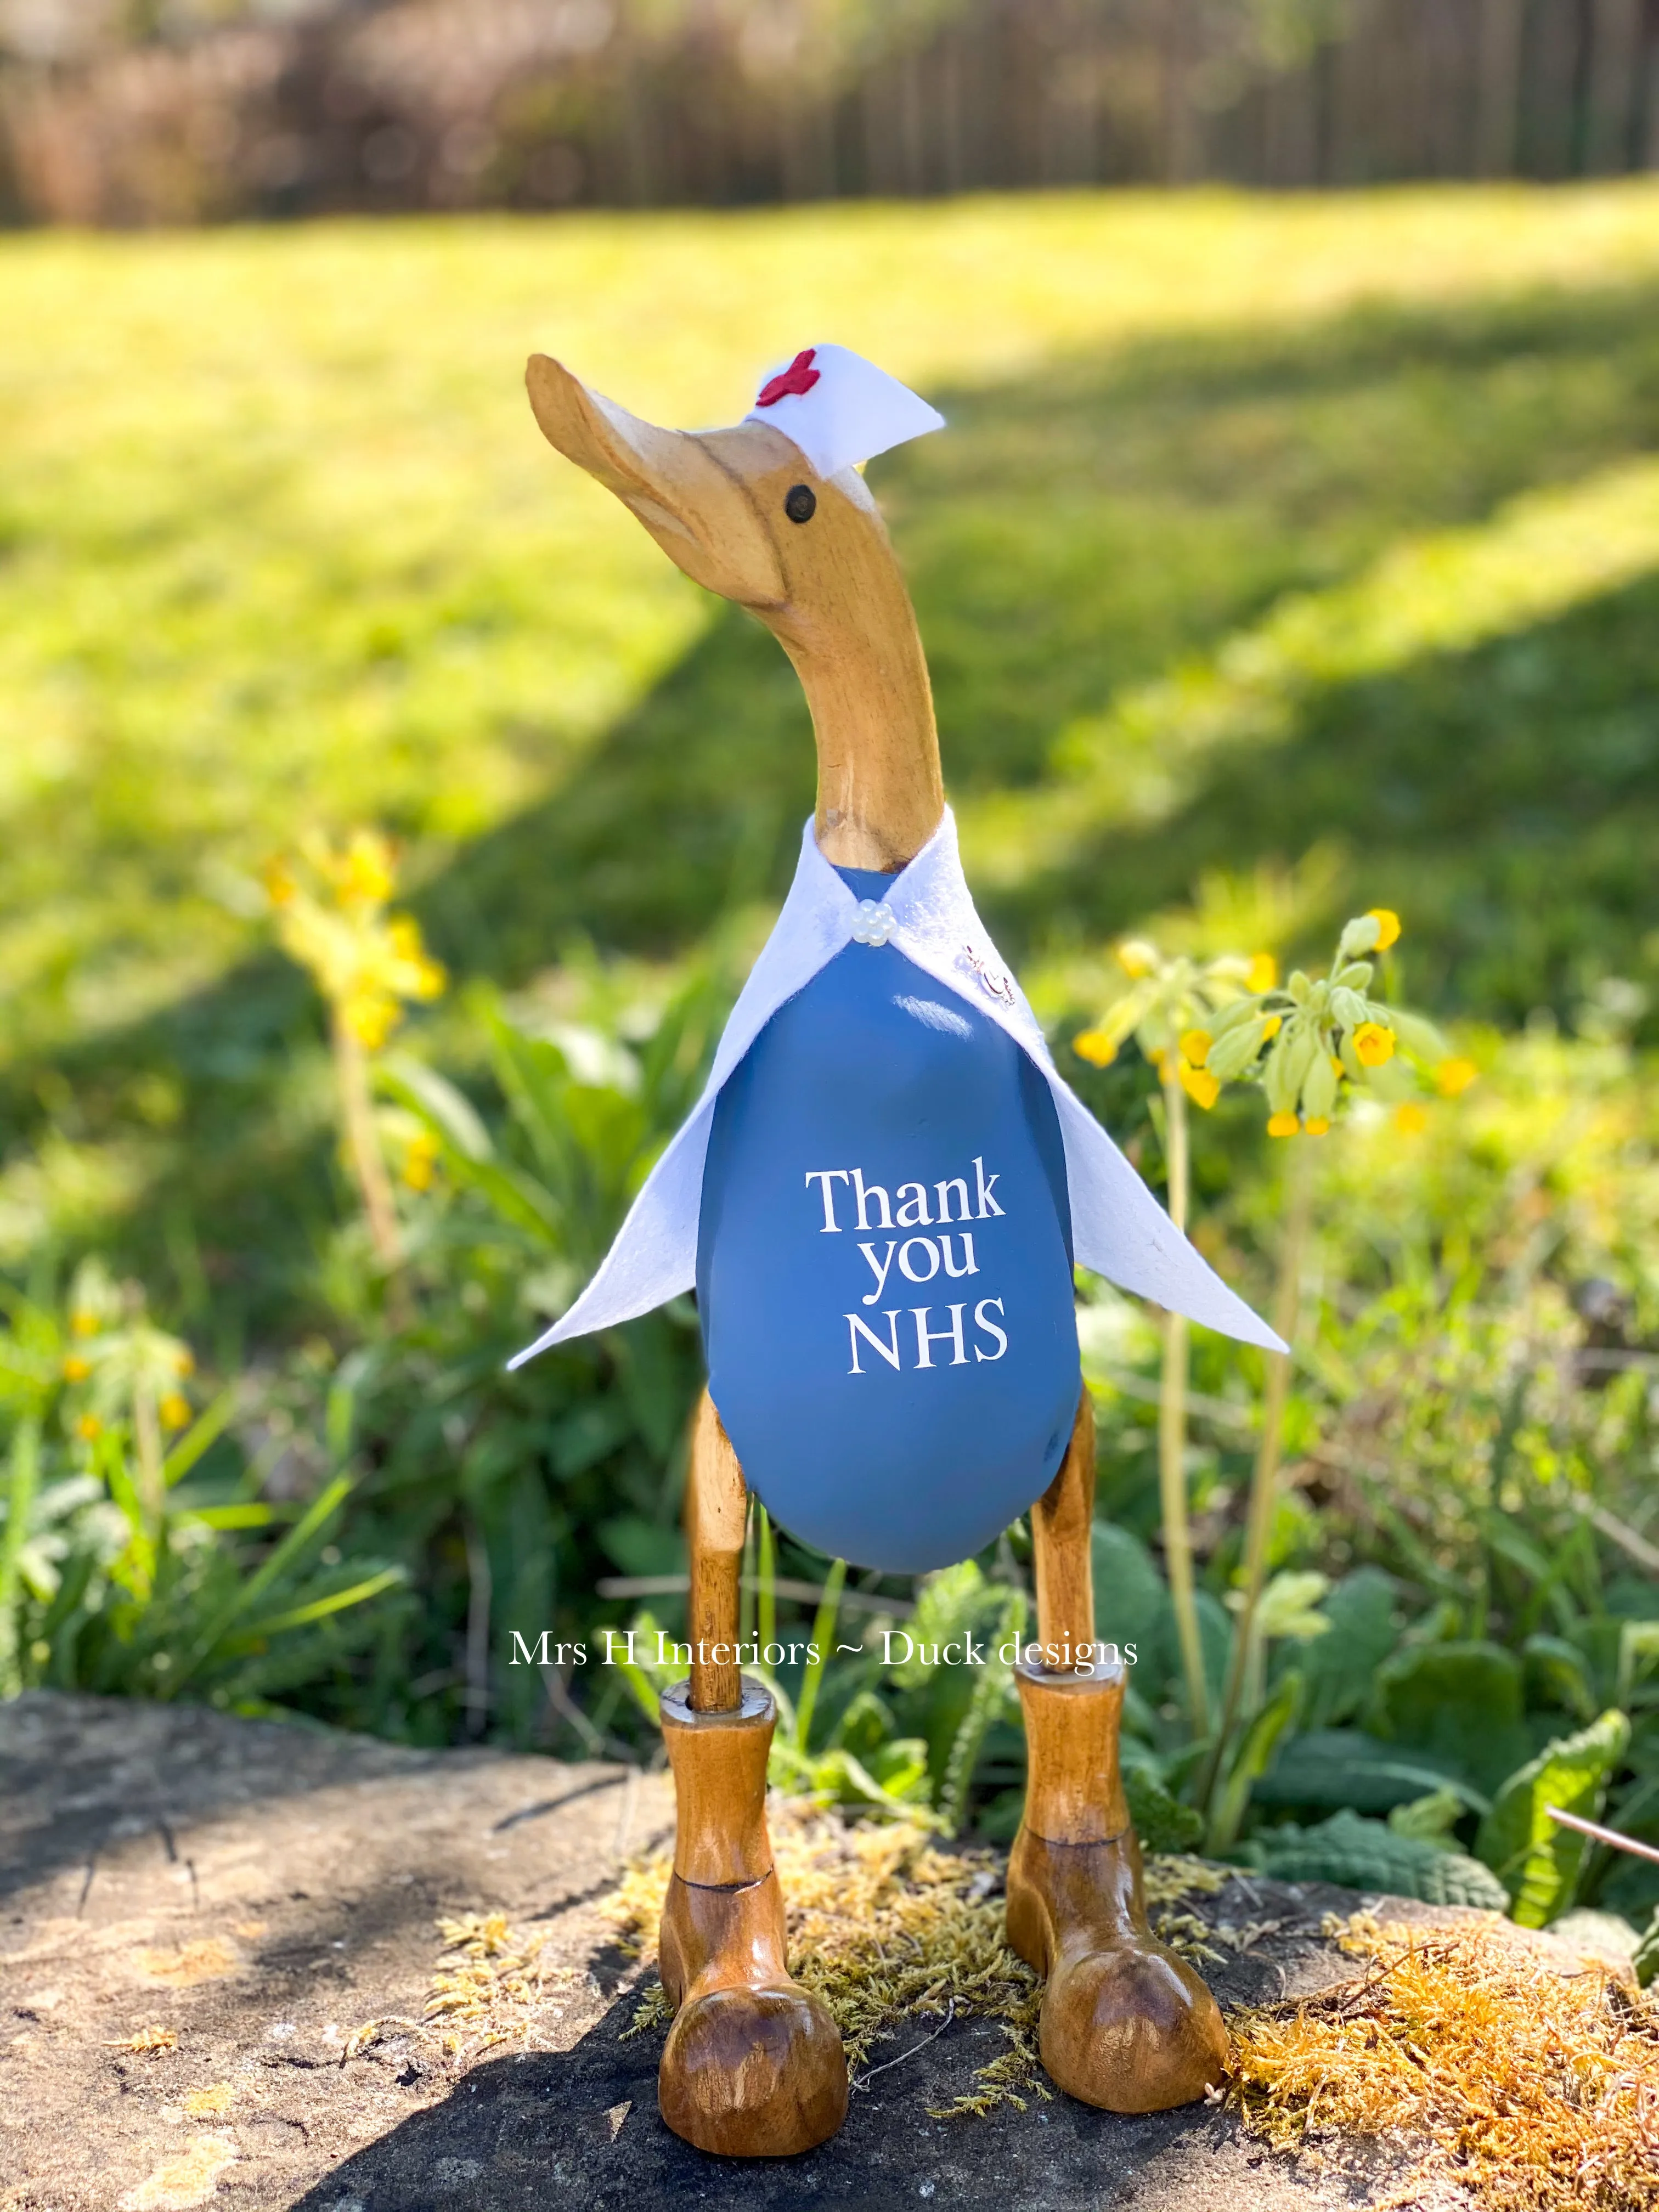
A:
x: 1078, y: 531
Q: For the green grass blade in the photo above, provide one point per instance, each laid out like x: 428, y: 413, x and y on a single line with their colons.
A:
x: 204, y: 1431
x: 319, y: 1608
x: 823, y: 1627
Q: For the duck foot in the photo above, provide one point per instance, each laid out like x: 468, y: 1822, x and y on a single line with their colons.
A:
x: 1127, y: 2025
x: 754, y: 2066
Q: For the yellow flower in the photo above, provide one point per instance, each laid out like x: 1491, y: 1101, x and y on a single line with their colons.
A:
x: 77, y: 1369
x: 366, y: 877
x: 1199, y: 1085
x: 1136, y: 957
x: 1275, y: 1023
x: 430, y: 977
x: 1388, y: 926
x: 1411, y: 1118
x: 1282, y: 1125
x: 1373, y: 1044
x: 88, y: 1428
x: 371, y: 1016
x: 419, y: 1159
x: 1453, y: 1077
x: 1262, y: 973
x: 1095, y: 1047
x: 82, y: 1323
x: 1317, y: 1125
x: 184, y: 1360
x: 174, y: 1410
x: 1195, y: 1046
x: 280, y: 886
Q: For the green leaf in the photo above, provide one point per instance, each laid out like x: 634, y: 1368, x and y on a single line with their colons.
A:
x: 823, y: 1631
x: 319, y: 1608
x: 1460, y: 1702
x: 1339, y: 1669
x: 1343, y: 1767
x: 1132, y: 1606
x: 1161, y: 1822
x: 1251, y: 1762
x: 1557, y: 1675
x: 991, y: 1689
x: 23, y: 1476
x: 321, y: 1510
x: 1646, y: 1961
x: 1638, y: 1649
x: 205, y: 1430
x: 1536, y: 1859
x: 256, y: 1514
x: 1431, y: 1820
x: 1363, y: 1854
x: 1289, y: 1607
x: 449, y: 1114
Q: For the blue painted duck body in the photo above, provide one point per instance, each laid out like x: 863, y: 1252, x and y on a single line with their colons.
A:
x: 885, y: 1267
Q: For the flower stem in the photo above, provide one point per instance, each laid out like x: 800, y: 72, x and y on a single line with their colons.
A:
x: 1172, y: 1431
x: 363, y: 1144
x: 1264, y: 1475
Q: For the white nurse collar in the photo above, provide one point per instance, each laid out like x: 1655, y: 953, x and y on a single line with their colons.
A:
x: 841, y: 409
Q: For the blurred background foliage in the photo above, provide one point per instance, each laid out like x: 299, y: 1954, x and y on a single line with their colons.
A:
x: 1282, y: 560
x: 128, y: 111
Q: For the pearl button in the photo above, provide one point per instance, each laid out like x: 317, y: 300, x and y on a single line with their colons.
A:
x: 873, y: 923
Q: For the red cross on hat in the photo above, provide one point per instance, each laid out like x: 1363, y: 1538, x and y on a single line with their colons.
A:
x: 841, y: 409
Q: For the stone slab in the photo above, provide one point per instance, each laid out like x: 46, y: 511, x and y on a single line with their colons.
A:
x: 261, y: 1891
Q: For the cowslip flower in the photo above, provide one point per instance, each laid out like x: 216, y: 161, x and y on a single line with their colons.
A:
x: 1199, y: 1085
x: 1453, y: 1077
x: 420, y: 1160
x: 1373, y: 1044
x: 1388, y: 926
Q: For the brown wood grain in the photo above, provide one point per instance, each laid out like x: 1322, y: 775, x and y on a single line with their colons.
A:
x: 1061, y: 1521
x: 716, y: 1511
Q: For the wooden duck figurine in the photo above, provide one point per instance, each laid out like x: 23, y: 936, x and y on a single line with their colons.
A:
x: 879, y: 1199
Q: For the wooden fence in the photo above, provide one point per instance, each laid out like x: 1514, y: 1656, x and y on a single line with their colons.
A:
x: 382, y: 104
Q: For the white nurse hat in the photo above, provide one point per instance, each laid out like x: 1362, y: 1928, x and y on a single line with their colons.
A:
x: 841, y: 409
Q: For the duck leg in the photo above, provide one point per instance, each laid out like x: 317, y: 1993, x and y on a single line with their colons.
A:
x: 1126, y: 2024
x: 753, y: 2066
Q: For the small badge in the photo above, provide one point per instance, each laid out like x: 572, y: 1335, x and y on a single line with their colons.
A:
x: 995, y: 983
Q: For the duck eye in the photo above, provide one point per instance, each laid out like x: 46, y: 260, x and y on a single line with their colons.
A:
x: 800, y: 503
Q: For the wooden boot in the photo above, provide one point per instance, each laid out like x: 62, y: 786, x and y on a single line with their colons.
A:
x: 753, y: 2066
x: 1127, y: 2025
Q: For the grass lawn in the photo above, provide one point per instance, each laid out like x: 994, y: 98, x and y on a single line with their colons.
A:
x: 1260, y: 525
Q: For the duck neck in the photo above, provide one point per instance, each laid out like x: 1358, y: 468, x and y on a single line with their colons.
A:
x: 880, y: 790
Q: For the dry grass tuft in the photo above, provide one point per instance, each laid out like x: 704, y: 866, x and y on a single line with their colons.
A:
x: 1526, y: 2089
x: 190, y: 2178
x: 209, y: 2103
x: 892, y: 1932
x: 489, y: 1987
x: 149, y: 2042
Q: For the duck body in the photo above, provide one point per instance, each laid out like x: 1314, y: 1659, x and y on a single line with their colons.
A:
x: 885, y: 1267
